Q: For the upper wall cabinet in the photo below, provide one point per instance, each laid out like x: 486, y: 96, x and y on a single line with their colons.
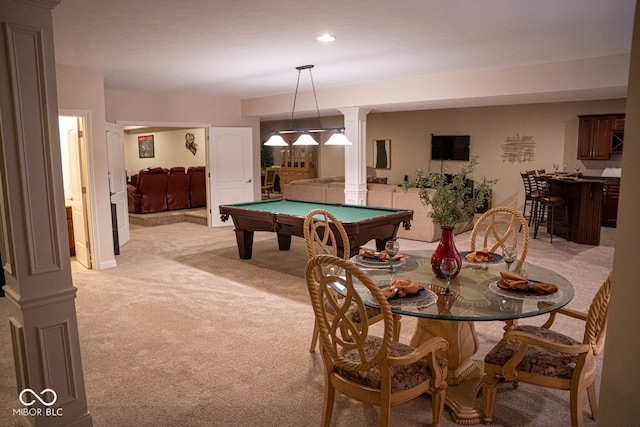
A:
x: 599, y: 136
x: 617, y: 133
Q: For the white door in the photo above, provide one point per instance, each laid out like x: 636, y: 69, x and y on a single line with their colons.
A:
x: 118, y: 180
x: 230, y: 169
x: 77, y: 175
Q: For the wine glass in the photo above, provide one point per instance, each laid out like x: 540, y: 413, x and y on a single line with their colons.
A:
x: 577, y: 169
x: 448, y: 267
x: 556, y: 166
x: 391, y: 247
x: 509, y: 255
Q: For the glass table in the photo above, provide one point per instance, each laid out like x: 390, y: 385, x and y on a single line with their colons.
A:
x: 475, y: 298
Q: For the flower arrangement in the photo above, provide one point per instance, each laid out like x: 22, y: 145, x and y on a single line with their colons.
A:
x: 454, y: 201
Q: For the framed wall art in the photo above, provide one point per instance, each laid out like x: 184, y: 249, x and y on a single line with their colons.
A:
x: 145, y: 147
x: 382, y: 153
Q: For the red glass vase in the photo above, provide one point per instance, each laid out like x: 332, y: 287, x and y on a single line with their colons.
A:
x: 446, y: 249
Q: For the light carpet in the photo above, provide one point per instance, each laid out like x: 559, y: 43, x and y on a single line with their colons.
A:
x: 184, y: 333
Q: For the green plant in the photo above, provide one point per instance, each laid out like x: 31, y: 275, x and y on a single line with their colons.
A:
x: 266, y: 157
x: 453, y: 201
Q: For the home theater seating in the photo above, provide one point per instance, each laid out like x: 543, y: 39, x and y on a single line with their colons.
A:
x: 159, y: 189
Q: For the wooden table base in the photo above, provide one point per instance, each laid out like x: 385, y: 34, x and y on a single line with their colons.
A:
x: 465, y: 375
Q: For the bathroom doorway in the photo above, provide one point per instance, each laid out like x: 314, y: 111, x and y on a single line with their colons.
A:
x: 73, y: 148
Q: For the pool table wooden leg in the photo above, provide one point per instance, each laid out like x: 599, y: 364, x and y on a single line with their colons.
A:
x: 245, y: 243
x: 284, y: 241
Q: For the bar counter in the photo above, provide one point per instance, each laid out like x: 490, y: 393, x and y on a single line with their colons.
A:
x: 584, y: 198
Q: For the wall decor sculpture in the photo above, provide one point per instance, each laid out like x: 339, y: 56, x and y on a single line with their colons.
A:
x: 190, y: 143
x: 518, y: 149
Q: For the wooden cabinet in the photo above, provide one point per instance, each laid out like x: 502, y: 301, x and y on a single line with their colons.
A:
x: 617, y: 134
x: 617, y: 123
x: 610, y: 207
x: 299, y: 163
x: 599, y: 136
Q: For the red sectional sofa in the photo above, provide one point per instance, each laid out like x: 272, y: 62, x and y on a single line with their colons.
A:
x: 159, y: 189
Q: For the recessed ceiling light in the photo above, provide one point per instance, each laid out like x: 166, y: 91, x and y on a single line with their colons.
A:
x: 325, y: 38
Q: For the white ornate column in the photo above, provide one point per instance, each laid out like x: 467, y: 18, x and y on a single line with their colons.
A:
x: 355, y: 157
x: 33, y: 230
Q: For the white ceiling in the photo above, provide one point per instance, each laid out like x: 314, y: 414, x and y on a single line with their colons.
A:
x: 250, y: 48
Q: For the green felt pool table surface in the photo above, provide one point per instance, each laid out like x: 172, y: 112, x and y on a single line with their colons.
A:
x: 344, y: 213
x: 286, y: 218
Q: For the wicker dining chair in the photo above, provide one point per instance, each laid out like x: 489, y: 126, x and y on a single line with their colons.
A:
x: 319, y: 236
x: 372, y: 369
x: 541, y: 356
x: 500, y: 227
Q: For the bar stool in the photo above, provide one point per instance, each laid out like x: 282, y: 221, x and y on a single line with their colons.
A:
x: 531, y: 196
x: 548, y: 205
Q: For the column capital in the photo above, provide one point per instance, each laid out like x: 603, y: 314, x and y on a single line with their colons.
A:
x: 359, y: 112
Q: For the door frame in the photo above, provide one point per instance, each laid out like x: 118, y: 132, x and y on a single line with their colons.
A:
x: 205, y: 126
x: 91, y: 205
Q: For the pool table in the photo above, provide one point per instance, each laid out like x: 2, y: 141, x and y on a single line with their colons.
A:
x: 286, y: 218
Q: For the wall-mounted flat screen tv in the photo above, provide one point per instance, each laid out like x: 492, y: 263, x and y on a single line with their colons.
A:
x: 450, y: 147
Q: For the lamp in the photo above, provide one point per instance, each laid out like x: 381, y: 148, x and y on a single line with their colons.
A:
x: 305, y: 139
x: 338, y: 138
x: 276, y: 140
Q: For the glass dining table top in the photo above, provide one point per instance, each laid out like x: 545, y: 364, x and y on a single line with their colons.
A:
x: 476, y: 296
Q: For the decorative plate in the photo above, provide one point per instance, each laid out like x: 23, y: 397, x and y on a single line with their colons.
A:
x: 423, y: 298
x: 378, y: 263
x: 496, y: 257
x: 519, y: 294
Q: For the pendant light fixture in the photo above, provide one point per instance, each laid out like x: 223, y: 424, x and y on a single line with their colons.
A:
x: 306, y: 138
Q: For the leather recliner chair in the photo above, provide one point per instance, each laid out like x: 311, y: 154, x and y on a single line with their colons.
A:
x: 134, y: 199
x: 197, y: 186
x: 152, y: 186
x: 178, y: 188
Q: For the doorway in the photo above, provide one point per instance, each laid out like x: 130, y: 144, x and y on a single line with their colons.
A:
x: 171, y: 145
x: 74, y: 172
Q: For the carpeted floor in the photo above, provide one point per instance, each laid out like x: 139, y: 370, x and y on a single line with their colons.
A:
x: 184, y: 333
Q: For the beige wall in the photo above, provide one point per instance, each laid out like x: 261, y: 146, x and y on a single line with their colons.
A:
x: 620, y: 377
x: 550, y: 82
x: 554, y: 128
x: 137, y: 106
x: 169, y: 147
x: 180, y: 109
x: 83, y: 90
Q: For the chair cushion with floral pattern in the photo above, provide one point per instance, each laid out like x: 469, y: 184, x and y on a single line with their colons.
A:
x: 353, y: 313
x: 402, y: 377
x: 537, y: 360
